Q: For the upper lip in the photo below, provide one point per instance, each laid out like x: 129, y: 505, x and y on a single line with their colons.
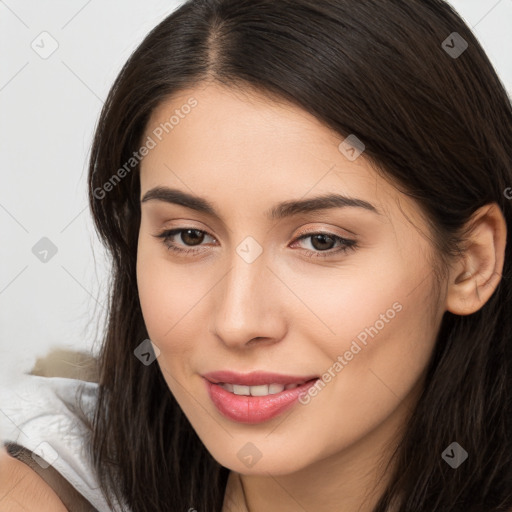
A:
x: 255, y: 378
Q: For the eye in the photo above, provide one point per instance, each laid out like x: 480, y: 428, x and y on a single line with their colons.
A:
x: 190, y: 236
x: 322, y: 244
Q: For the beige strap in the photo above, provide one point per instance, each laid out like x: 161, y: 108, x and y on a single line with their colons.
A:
x: 69, y: 496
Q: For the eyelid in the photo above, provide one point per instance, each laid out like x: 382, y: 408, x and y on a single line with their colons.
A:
x: 182, y: 250
x: 346, y: 244
x: 172, y: 232
x: 303, y: 231
x: 323, y: 230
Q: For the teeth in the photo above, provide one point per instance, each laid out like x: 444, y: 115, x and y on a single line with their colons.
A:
x: 275, y: 388
x: 259, y: 390
x: 262, y: 390
x: 241, y: 390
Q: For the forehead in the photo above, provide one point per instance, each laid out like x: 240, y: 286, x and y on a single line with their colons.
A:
x: 254, y: 144
x: 229, y: 116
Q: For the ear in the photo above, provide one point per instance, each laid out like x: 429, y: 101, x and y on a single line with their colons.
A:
x: 478, y: 271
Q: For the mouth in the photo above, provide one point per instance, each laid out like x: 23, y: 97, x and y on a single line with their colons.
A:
x: 256, y: 397
x: 257, y: 378
x: 261, y: 390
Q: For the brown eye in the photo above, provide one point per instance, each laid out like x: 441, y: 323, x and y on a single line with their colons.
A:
x: 322, y: 242
x: 192, y: 236
x: 187, y: 240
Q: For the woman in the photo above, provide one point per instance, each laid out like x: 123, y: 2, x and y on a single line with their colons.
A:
x: 305, y: 203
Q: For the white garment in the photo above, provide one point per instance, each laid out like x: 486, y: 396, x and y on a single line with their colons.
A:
x: 33, y: 414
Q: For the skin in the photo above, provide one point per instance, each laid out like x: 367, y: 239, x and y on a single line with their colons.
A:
x: 287, y: 312
x: 21, y: 488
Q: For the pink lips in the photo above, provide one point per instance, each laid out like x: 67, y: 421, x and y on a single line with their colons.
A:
x: 254, y: 409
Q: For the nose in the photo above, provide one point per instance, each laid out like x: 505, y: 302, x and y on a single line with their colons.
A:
x: 248, y: 305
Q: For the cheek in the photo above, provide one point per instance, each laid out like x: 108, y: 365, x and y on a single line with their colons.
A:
x: 154, y: 294
x: 170, y: 296
x: 373, y: 320
x: 385, y: 351
x: 152, y: 287
x: 352, y: 301
x: 165, y: 302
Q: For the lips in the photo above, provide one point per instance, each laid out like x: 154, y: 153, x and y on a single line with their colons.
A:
x: 256, y: 378
x: 255, y: 397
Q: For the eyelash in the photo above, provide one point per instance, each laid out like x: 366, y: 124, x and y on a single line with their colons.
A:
x: 347, y: 244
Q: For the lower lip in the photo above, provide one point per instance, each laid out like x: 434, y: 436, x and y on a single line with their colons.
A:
x: 254, y: 409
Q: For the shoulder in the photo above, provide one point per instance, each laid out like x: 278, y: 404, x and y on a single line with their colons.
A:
x: 55, y: 407
x: 21, y: 488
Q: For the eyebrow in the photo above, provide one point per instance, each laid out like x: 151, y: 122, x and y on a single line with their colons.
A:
x: 278, y: 211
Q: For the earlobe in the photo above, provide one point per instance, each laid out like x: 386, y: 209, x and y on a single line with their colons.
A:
x: 478, y: 271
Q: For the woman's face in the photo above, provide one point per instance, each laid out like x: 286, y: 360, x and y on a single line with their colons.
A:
x: 254, y: 286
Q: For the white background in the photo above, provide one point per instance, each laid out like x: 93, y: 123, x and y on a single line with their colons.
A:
x: 49, y: 108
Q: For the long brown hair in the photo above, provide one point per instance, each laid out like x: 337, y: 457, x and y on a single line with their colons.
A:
x: 436, y: 123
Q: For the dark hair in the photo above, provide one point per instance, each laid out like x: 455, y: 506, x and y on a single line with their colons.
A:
x: 436, y: 124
